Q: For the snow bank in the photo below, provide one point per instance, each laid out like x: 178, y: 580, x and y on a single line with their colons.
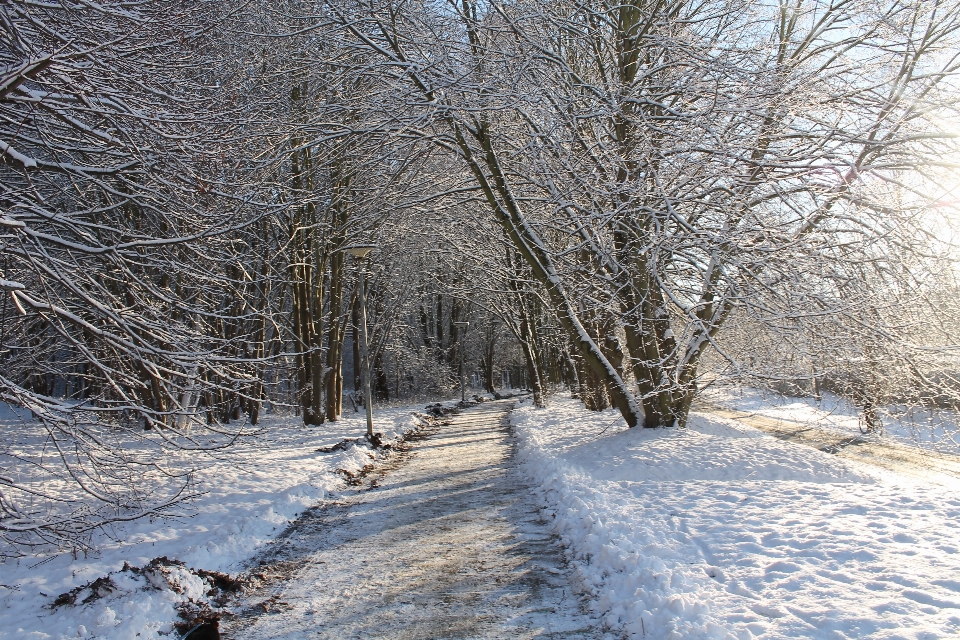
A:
x: 251, y: 492
x: 720, y: 531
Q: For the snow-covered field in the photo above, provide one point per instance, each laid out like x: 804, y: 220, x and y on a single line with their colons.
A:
x: 250, y: 493
x: 721, y: 531
x: 934, y: 430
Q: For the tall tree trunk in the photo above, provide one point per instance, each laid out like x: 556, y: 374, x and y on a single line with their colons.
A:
x: 357, y: 365
x: 488, y: 359
x: 381, y: 383
x: 593, y: 390
x: 335, y: 338
x: 495, y: 187
x: 307, y: 276
x: 529, y: 345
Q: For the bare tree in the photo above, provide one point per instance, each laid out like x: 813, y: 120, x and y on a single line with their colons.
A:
x: 672, y: 162
x: 124, y: 211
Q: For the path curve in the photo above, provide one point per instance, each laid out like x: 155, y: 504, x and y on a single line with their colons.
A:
x: 447, y: 543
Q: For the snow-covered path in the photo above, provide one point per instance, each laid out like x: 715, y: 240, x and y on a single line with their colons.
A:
x: 447, y: 543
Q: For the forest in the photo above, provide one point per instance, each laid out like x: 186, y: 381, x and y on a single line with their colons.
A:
x: 630, y: 201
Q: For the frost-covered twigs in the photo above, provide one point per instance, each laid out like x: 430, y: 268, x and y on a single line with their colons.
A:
x: 662, y: 195
x: 89, y: 473
x: 679, y: 186
x: 117, y: 194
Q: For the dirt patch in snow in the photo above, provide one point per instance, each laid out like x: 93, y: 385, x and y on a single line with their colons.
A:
x: 202, y: 593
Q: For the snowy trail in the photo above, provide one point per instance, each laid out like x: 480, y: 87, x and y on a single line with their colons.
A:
x: 942, y: 468
x: 447, y: 543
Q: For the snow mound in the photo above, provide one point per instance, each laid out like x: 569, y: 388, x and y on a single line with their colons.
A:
x: 164, y: 597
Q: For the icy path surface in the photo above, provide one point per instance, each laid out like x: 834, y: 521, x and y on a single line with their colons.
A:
x: 447, y: 544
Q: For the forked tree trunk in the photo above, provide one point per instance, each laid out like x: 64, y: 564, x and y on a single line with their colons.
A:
x: 528, y: 244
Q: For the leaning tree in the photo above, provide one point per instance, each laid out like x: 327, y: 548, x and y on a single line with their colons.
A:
x: 660, y: 166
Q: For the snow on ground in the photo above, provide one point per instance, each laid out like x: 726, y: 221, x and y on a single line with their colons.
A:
x: 721, y: 531
x: 251, y: 493
x: 937, y: 430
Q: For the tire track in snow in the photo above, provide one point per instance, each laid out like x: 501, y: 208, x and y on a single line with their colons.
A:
x: 446, y: 543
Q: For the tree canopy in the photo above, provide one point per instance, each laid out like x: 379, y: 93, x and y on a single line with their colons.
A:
x: 634, y: 200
